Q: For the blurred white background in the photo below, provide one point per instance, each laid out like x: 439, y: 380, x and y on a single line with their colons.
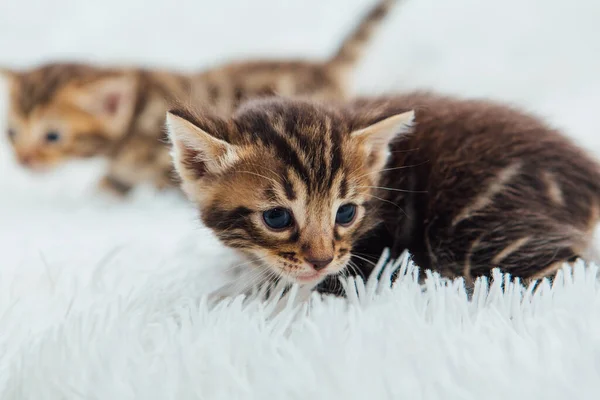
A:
x: 541, y: 54
x: 544, y: 54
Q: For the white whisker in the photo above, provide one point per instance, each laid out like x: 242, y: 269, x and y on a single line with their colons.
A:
x: 260, y: 175
x: 391, y: 202
x: 232, y: 267
x: 392, y: 169
x: 364, y: 259
x: 394, y: 189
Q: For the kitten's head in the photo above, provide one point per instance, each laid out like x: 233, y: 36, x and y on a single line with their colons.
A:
x: 287, y: 182
x: 62, y: 111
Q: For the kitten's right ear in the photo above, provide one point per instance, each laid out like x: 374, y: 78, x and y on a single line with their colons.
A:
x: 195, y: 151
x: 112, y: 99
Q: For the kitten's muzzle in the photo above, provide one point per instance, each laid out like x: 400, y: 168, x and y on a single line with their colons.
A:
x: 319, y: 252
x: 29, y: 160
x: 319, y: 264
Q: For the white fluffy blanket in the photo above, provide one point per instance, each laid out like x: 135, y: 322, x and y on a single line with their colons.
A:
x: 103, y: 300
x: 72, y: 338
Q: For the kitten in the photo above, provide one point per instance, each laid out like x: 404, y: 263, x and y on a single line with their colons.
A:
x: 63, y: 111
x: 311, y: 190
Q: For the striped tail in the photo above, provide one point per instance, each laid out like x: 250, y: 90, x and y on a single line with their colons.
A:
x: 354, y: 44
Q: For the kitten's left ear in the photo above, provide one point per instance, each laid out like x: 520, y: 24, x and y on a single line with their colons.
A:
x: 111, y: 99
x: 376, y: 138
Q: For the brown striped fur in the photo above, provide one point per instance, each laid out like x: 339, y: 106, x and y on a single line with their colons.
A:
x: 78, y: 102
x: 489, y: 186
x: 473, y: 185
x: 115, y: 113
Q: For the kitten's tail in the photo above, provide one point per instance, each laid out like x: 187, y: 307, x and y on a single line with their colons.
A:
x: 353, y: 46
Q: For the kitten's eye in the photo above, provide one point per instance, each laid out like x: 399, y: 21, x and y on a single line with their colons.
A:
x: 345, y: 214
x: 277, y: 218
x: 52, y: 137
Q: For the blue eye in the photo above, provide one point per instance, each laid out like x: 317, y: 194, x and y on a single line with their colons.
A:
x: 52, y: 136
x: 277, y: 218
x: 345, y: 214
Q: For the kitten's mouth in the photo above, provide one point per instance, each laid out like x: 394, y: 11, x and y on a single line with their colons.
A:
x: 38, y: 168
x: 310, y: 277
x: 35, y: 166
x: 314, y: 277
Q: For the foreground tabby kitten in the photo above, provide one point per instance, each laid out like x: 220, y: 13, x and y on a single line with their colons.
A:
x: 307, y: 189
x: 63, y: 111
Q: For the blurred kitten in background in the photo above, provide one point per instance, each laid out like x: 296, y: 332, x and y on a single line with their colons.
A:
x: 62, y: 111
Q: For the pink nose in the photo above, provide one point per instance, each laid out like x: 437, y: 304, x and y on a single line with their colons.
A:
x: 319, y: 264
x: 26, y: 159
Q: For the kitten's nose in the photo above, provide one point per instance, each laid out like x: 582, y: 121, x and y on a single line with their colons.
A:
x: 25, y: 159
x: 319, y: 264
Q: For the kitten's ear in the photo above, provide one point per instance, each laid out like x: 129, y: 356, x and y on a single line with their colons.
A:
x: 195, y: 151
x: 111, y: 99
x: 376, y: 138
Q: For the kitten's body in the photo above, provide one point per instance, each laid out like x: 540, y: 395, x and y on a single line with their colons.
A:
x: 119, y: 113
x: 481, y: 185
x: 471, y: 186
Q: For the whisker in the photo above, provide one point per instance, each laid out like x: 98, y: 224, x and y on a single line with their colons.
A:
x: 269, y: 280
x: 337, y: 286
x: 405, y: 151
x: 392, y: 169
x: 391, y: 202
x: 394, y: 189
x: 248, y: 281
x: 369, y: 256
x: 366, y: 255
x: 354, y: 268
x: 364, y: 259
x: 360, y: 272
x: 264, y: 278
x: 343, y: 273
x: 244, y: 263
x: 260, y: 175
x: 275, y: 174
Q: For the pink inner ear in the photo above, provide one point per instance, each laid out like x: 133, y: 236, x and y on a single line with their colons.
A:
x: 111, y: 103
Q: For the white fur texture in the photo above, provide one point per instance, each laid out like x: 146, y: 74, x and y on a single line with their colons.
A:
x: 102, y: 300
x: 162, y: 341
